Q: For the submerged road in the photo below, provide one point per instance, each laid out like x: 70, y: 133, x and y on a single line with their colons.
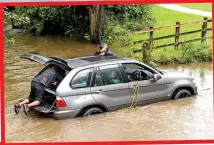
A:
x: 189, y: 118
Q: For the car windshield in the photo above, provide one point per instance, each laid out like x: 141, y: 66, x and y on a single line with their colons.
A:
x: 156, y: 70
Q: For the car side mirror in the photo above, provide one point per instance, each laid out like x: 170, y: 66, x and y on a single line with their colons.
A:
x: 155, y: 77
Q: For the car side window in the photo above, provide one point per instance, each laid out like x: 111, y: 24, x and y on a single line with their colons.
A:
x: 98, y: 80
x: 130, y: 68
x: 108, y: 75
x: 82, y: 79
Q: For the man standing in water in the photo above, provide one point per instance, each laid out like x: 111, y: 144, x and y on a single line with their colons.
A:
x: 104, y: 51
x: 38, y: 85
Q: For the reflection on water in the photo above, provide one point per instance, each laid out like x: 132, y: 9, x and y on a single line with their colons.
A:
x: 201, y: 72
x: 202, y: 76
x: 189, y: 118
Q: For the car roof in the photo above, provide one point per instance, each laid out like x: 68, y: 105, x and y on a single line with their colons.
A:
x: 89, y: 60
x: 74, y: 62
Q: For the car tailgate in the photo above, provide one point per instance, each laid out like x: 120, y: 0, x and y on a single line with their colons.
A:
x: 46, y: 60
x: 36, y: 58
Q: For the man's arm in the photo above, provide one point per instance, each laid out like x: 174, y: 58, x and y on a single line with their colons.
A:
x: 103, y: 50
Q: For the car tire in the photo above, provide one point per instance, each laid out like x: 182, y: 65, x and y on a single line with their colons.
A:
x: 92, y: 111
x: 183, y: 93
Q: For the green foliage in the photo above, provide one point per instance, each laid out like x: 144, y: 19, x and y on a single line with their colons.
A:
x: 119, y: 22
x: 9, y: 40
x: 20, y: 19
x: 196, y: 52
x: 123, y: 20
x: 132, y: 17
x: 166, y: 55
x: 58, y: 20
x: 187, y: 53
x: 117, y: 34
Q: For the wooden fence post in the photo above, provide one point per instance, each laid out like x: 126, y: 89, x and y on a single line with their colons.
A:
x: 151, y: 38
x: 177, y: 34
x: 204, y: 30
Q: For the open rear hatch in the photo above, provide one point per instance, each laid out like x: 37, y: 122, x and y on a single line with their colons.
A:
x: 48, y: 104
x: 46, y: 60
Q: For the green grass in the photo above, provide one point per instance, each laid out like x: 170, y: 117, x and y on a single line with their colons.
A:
x: 187, y: 53
x: 200, y: 6
x: 166, y: 17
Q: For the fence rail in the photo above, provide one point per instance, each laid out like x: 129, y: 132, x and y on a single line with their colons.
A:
x: 176, y: 35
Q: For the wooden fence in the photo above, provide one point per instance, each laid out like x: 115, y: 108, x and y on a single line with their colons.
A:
x: 177, y: 34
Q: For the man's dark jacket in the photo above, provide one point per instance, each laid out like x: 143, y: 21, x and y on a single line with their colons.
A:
x: 47, y: 77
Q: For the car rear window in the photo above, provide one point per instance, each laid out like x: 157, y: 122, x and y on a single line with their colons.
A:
x: 82, y: 79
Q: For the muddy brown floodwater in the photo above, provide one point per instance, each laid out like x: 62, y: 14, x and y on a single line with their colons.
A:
x: 189, y: 118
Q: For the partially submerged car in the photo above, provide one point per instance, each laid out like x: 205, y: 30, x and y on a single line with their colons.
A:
x: 96, y: 84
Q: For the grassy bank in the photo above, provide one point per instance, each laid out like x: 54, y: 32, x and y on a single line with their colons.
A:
x: 167, y: 55
x: 187, y: 53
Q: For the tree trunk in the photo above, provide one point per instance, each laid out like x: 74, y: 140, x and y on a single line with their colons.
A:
x: 12, y: 23
x: 96, y: 15
x: 11, y: 9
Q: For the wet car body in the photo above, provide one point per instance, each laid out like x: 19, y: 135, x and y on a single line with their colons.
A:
x: 96, y: 84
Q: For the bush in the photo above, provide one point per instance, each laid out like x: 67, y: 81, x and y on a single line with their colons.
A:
x: 187, y: 53
x: 123, y: 20
x: 196, y: 52
x: 118, y: 35
x: 8, y: 40
x: 132, y: 17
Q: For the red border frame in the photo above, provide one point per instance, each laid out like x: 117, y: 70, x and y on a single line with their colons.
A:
x: 2, y: 76
x: 100, y: 2
x: 76, y: 2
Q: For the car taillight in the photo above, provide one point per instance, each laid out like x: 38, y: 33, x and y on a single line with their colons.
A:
x: 60, y: 103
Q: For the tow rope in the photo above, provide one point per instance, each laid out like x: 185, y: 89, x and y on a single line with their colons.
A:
x: 135, y: 95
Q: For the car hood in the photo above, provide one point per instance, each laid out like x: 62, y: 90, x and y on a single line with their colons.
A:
x: 175, y: 74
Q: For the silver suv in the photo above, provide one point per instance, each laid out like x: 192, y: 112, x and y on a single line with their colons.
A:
x: 94, y: 84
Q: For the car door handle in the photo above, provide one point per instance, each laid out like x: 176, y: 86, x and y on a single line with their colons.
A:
x: 99, y: 91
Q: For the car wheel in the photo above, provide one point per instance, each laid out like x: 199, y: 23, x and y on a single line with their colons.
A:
x: 91, y: 111
x: 182, y: 94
